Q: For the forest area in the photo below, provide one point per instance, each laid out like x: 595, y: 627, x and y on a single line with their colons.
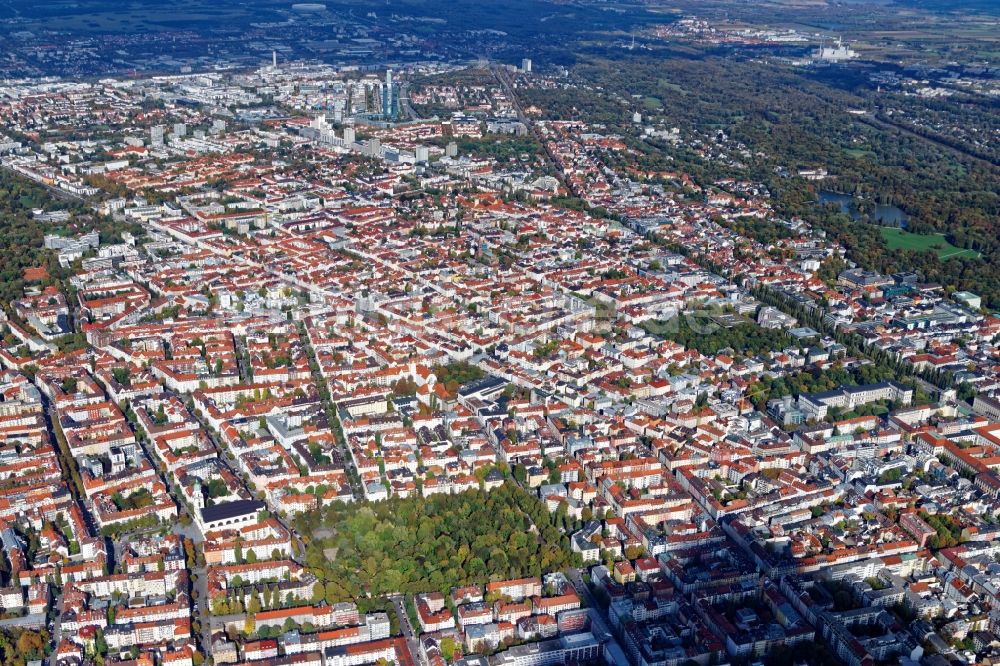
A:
x: 21, y: 646
x: 421, y: 544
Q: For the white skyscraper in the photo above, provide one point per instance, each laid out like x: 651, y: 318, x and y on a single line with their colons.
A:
x: 526, y: 65
x: 156, y: 136
x: 388, y: 98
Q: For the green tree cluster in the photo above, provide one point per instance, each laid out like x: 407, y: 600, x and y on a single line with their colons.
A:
x: 457, y: 373
x: 745, y: 338
x: 19, y: 646
x: 434, y: 543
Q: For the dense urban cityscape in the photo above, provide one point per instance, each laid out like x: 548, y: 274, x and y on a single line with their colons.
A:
x: 323, y: 343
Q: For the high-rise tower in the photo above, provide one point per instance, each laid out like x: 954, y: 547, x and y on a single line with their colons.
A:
x: 388, y: 97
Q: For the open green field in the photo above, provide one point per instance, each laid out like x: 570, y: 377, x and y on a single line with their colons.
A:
x: 898, y: 239
x: 667, y: 85
x: 858, y: 153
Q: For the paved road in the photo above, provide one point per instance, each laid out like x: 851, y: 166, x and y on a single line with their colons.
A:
x: 199, y: 587
x: 598, y: 622
x: 241, y: 359
x: 189, y: 531
x: 57, y: 624
x: 598, y: 619
x: 404, y: 99
x: 329, y: 407
x: 406, y: 627
x: 504, y: 80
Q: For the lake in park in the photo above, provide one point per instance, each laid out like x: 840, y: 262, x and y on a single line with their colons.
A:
x: 886, y: 214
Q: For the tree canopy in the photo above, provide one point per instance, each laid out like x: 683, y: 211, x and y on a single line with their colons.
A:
x: 422, y: 544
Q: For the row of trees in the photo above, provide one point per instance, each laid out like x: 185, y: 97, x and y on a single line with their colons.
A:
x: 268, y: 598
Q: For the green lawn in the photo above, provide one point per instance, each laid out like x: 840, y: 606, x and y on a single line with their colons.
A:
x: 858, y: 153
x: 667, y: 85
x: 898, y: 239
